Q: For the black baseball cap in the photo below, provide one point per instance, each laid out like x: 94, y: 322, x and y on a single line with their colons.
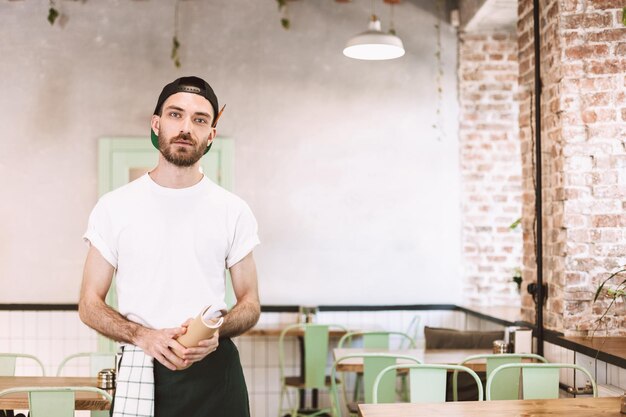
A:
x: 194, y: 85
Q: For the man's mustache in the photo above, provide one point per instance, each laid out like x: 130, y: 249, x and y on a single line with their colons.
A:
x: 183, y: 136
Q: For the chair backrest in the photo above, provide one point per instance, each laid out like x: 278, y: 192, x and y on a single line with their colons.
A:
x: 8, y: 360
x: 53, y: 401
x: 539, y: 380
x: 508, y: 381
x: 97, y: 361
x: 412, y: 330
x: 315, y: 352
x: 427, y: 382
x: 376, y: 339
x: 373, y: 363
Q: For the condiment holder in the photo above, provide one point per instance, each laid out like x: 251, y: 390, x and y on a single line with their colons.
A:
x: 106, y: 379
x: 500, y: 346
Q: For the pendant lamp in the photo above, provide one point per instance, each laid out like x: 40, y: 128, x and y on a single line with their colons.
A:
x: 374, y: 44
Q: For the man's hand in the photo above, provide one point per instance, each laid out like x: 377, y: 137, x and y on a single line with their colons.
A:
x: 204, y: 348
x: 159, y: 345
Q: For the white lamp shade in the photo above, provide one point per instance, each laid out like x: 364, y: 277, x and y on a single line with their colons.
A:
x: 373, y: 44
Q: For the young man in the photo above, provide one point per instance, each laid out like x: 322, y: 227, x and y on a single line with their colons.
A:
x: 169, y: 236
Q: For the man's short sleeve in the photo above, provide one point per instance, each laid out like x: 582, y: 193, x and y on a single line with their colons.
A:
x: 100, y: 233
x: 245, y: 238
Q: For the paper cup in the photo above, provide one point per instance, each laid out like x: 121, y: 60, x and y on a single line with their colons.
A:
x: 198, y: 330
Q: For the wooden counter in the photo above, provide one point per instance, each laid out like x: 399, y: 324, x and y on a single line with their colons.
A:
x: 274, y: 330
x: 612, y: 345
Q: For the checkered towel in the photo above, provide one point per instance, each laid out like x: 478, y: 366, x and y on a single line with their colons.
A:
x: 134, y: 391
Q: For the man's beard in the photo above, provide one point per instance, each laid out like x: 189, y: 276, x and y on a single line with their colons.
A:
x: 180, y: 155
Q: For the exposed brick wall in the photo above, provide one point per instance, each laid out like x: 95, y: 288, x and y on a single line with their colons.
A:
x: 584, y: 159
x: 490, y: 166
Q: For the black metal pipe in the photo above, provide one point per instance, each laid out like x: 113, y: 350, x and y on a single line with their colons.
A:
x: 540, y: 296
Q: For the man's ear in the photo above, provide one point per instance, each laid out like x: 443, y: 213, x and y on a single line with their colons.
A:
x: 212, y: 134
x: 155, y: 123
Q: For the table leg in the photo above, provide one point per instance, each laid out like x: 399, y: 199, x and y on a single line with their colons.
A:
x: 302, y: 393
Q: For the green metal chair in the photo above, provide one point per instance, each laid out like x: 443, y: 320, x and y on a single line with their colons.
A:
x: 8, y: 360
x: 413, y: 331
x: 375, y: 340
x: 508, y: 382
x: 539, y: 380
x: 427, y: 381
x: 97, y: 362
x: 373, y: 363
x: 314, y: 362
x: 53, y: 401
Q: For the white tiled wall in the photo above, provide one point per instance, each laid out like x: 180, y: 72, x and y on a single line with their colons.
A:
x: 49, y: 335
x: 52, y: 335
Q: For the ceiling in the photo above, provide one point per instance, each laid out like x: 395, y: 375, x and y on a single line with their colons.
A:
x: 488, y: 15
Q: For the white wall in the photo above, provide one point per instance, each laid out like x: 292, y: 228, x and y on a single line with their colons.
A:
x: 356, y: 193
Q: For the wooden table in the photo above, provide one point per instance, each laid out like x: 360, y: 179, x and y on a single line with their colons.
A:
x: 436, y: 356
x: 570, y: 407
x: 84, y: 400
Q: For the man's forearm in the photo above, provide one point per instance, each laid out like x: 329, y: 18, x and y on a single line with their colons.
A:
x: 242, y: 317
x: 108, y: 322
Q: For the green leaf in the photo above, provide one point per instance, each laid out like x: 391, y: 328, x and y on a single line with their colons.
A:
x: 601, y: 286
x: 52, y: 15
x: 285, y: 23
x: 624, y: 16
x: 515, y: 224
x: 175, y: 46
x: 281, y: 4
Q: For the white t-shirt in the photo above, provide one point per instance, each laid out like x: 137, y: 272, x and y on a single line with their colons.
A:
x: 170, y: 246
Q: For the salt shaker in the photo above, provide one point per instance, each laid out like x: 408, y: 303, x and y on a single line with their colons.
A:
x: 500, y: 346
x: 106, y: 379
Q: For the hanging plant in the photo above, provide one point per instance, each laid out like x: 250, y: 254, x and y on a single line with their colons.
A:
x: 53, y: 13
x: 175, y: 47
x: 438, y: 125
x: 175, y: 42
x: 284, y: 20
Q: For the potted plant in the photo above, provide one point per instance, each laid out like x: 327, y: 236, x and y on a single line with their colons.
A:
x: 616, y: 294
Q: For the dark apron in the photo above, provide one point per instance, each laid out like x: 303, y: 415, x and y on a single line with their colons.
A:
x: 213, y: 387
